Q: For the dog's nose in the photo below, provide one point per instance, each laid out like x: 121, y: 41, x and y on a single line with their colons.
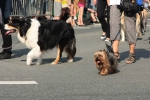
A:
x: 96, y: 59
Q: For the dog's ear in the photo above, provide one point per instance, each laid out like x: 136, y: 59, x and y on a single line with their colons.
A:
x: 104, y: 51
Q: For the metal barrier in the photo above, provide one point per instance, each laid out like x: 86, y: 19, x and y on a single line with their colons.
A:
x: 29, y: 8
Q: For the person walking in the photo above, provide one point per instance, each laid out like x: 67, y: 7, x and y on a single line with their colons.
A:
x: 101, y: 6
x: 5, y: 11
x: 130, y: 22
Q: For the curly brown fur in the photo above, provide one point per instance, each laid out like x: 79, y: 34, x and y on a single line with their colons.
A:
x: 106, y: 62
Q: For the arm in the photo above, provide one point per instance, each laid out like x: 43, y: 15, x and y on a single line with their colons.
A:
x: 108, y: 2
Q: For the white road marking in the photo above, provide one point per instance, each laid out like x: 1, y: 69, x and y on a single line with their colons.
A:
x: 18, y: 82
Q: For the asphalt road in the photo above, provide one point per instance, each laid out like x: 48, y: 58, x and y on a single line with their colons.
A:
x: 78, y: 80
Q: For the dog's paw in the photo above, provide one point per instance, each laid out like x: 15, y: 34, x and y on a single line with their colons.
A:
x: 53, y: 63
x: 28, y: 63
x: 103, y: 74
x: 38, y: 63
x: 70, y: 60
x: 122, y: 40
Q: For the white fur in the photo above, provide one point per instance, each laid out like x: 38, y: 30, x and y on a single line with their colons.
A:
x: 31, y: 42
x: 34, y: 53
x: 32, y: 34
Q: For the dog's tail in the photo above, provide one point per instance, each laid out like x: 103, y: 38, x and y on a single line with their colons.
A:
x: 71, y: 47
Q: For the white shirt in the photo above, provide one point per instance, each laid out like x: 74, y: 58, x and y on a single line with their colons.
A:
x: 115, y: 2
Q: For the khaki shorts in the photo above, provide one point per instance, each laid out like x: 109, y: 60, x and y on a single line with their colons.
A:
x: 130, y: 28
x: 115, y: 16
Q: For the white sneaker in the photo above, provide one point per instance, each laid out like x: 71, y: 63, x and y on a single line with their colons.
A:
x: 103, y: 37
x: 107, y: 40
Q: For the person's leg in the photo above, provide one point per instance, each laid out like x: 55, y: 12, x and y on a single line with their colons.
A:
x: 101, y: 5
x: 57, y: 10
x: 115, y: 15
x: 131, y: 36
x: 72, y: 13
x: 93, y: 17
x: 108, y: 25
x: 80, y: 16
x: 132, y: 48
x: 7, y: 43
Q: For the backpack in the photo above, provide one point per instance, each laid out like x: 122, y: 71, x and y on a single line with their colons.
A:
x: 129, y: 6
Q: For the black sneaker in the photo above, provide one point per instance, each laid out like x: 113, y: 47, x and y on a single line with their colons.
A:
x: 5, y: 55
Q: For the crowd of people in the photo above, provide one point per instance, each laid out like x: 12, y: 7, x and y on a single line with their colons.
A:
x: 81, y: 12
x: 77, y: 8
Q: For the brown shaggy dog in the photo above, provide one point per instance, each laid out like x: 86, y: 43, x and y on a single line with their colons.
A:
x: 106, y: 62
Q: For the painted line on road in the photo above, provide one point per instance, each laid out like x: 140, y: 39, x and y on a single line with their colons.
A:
x: 18, y: 82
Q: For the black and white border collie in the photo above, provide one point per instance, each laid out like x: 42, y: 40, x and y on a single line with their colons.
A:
x: 43, y: 35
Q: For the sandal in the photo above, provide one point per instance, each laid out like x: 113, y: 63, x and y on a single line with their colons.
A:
x: 117, y: 55
x: 130, y: 59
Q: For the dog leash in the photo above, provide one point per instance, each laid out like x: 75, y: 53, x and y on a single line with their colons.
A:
x: 109, y: 48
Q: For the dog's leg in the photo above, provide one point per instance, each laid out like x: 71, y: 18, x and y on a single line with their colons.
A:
x: 138, y: 25
x: 70, y: 58
x: 34, y: 53
x: 122, y: 35
x: 144, y: 24
x: 122, y: 28
x: 145, y: 17
x: 70, y: 54
x: 39, y: 61
x: 104, y: 71
x: 59, y: 54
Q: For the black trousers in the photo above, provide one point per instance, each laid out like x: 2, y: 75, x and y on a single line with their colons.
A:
x: 6, y: 8
x: 101, y: 5
x: 7, y: 42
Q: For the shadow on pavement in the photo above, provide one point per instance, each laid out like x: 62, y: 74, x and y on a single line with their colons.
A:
x: 139, y: 53
x: 19, y: 52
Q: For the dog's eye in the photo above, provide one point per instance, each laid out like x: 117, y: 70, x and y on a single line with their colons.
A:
x: 100, y: 55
